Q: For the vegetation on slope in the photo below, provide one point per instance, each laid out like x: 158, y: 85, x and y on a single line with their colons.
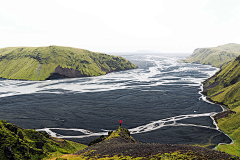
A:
x: 224, y: 88
x: 17, y: 143
x: 215, y: 56
x: 231, y: 126
x: 41, y: 63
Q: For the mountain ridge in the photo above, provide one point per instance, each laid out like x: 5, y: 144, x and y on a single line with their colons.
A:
x: 223, y: 86
x: 216, y: 56
x: 53, y: 62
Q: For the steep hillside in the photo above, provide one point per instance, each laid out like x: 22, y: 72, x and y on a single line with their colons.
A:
x: 224, y: 88
x: 230, y: 124
x: 215, y: 56
x: 41, y: 63
x: 17, y: 143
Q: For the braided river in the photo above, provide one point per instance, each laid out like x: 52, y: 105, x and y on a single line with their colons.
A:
x: 159, y: 102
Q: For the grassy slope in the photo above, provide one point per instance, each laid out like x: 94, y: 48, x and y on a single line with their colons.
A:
x: 223, y: 88
x: 29, y: 144
x: 37, y: 63
x: 227, y: 82
x: 215, y: 56
x: 231, y: 126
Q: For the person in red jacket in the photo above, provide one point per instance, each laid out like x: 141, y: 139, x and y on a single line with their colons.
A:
x: 120, y: 122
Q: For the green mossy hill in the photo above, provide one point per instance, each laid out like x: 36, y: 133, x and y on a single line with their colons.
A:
x: 215, y: 56
x: 17, y: 143
x: 53, y: 62
x: 224, y: 88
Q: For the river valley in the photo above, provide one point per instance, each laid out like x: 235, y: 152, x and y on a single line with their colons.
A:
x: 160, y: 102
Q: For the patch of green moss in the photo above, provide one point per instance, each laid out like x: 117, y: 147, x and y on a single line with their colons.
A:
x: 205, y: 145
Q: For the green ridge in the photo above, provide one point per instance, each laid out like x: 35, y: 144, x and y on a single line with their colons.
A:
x: 215, y: 56
x: 17, y: 143
x: 38, y: 63
x: 224, y: 88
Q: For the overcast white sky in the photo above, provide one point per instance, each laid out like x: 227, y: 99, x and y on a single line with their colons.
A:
x: 166, y: 26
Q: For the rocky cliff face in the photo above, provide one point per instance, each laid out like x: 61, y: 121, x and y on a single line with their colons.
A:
x: 71, y: 73
x: 65, y: 73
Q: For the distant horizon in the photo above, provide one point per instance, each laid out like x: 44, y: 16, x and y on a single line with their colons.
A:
x: 118, y: 52
x: 150, y: 53
x: 130, y: 26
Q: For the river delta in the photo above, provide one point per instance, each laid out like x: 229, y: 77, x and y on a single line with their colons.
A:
x: 160, y: 102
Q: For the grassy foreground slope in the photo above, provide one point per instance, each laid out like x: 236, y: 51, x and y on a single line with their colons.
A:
x: 224, y: 88
x: 41, y: 63
x: 17, y: 143
x: 215, y: 56
x: 231, y: 126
